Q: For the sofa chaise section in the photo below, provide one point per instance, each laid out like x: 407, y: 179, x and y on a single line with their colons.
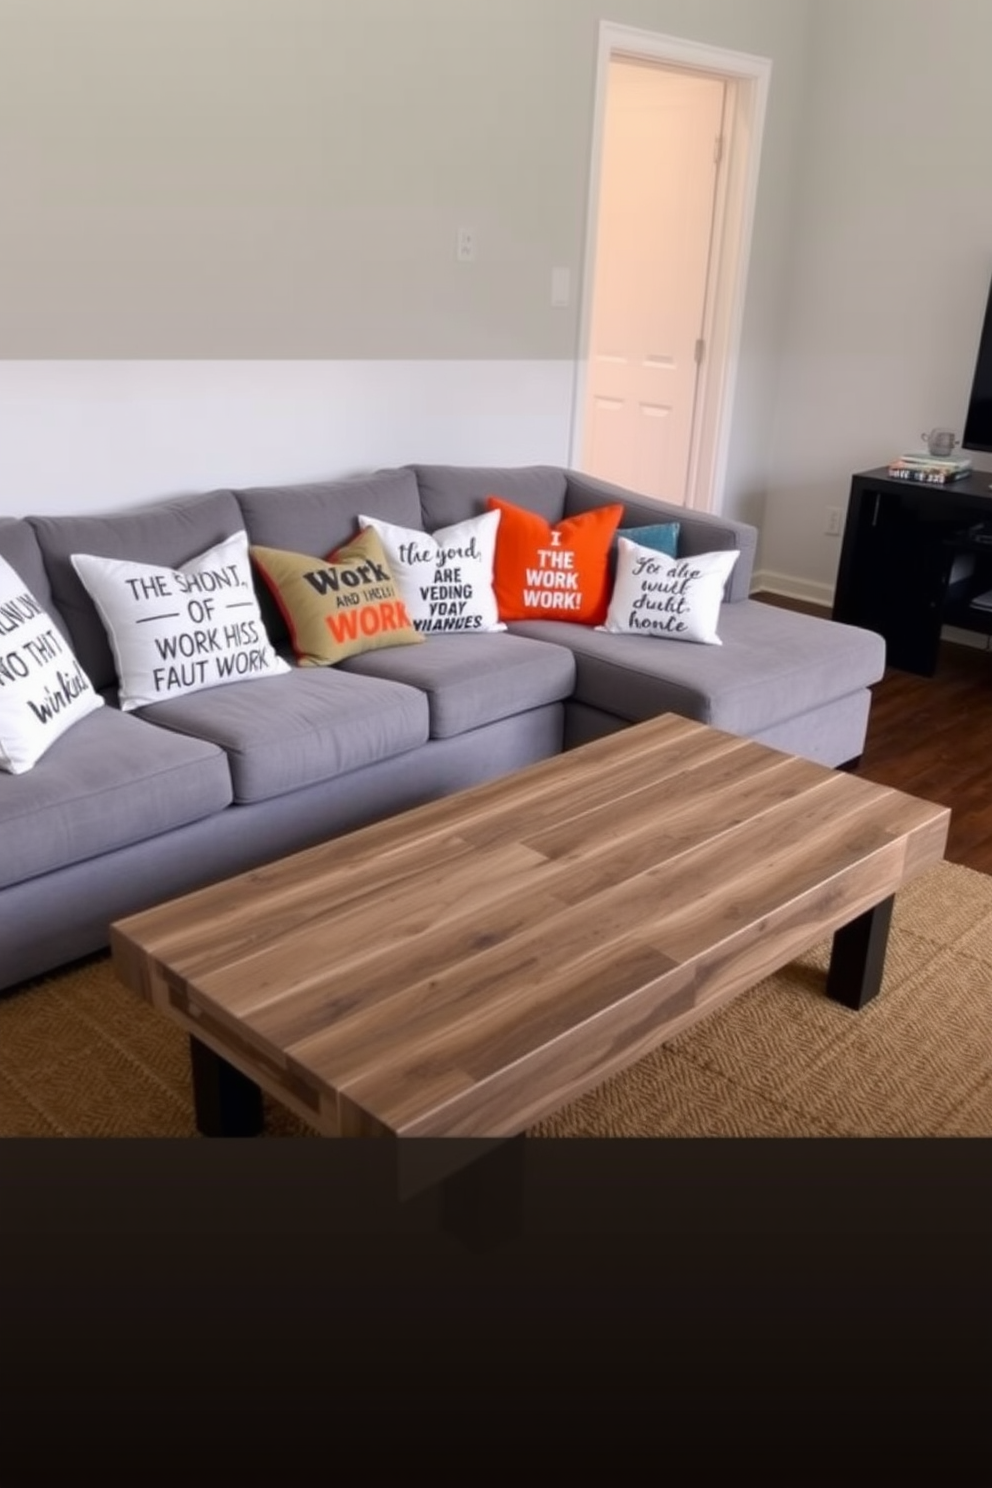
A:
x: 794, y: 681
x: 779, y: 677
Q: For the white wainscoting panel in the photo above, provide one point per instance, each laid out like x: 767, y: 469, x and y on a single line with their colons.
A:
x: 91, y: 436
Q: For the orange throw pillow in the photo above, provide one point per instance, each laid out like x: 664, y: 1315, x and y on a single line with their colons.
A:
x: 553, y: 573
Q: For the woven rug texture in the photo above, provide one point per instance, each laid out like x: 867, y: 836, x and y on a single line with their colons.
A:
x: 81, y: 1056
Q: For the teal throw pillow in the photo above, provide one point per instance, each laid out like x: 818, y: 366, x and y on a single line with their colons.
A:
x: 662, y: 536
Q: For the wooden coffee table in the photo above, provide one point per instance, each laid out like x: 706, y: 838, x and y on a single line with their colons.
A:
x: 466, y: 968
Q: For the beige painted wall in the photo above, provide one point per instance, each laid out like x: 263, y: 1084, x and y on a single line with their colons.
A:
x: 892, y: 262
x: 285, y: 178
x: 279, y: 182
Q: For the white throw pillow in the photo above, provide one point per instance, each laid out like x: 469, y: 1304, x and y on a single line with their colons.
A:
x: 678, y: 598
x: 445, y: 577
x: 179, y: 630
x: 43, y: 689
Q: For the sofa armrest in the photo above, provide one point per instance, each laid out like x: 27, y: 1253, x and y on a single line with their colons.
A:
x: 699, y: 532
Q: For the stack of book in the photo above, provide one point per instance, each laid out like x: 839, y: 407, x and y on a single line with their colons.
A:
x: 928, y: 468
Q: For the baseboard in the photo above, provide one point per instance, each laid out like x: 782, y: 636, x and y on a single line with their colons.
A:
x: 767, y: 582
x: 965, y: 638
x: 764, y: 581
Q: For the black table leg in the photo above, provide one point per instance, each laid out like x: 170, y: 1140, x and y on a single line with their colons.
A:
x: 857, y: 958
x: 228, y: 1103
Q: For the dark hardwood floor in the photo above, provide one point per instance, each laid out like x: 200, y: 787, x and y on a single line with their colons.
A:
x: 932, y: 737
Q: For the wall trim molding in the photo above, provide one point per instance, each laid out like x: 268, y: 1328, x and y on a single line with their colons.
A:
x: 767, y: 581
x: 789, y: 587
x: 971, y: 638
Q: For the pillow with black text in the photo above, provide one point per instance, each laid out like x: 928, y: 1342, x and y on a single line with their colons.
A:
x: 178, y: 630
x: 445, y: 577
x: 338, y: 606
x: 43, y: 689
x: 677, y: 598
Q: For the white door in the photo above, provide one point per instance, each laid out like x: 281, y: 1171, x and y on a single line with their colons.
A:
x: 659, y: 166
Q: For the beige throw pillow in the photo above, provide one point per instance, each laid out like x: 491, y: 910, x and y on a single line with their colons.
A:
x: 337, y: 606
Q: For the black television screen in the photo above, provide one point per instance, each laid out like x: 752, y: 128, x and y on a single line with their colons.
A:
x: 978, y: 424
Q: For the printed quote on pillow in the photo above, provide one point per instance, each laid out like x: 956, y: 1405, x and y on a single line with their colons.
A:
x: 43, y: 689
x: 179, y: 630
x: 337, y: 606
x: 553, y: 572
x: 675, y: 598
x: 445, y: 577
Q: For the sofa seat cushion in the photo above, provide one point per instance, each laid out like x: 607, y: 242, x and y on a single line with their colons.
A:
x: 111, y: 781
x: 773, y: 665
x: 472, y: 680
x: 283, y: 733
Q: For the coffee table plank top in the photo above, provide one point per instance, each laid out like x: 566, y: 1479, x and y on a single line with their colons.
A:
x: 471, y: 965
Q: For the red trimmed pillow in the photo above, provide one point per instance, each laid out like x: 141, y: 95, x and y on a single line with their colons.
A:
x: 340, y: 605
x: 560, y: 572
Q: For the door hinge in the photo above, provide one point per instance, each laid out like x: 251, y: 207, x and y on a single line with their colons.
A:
x: 718, y: 149
x: 698, y: 353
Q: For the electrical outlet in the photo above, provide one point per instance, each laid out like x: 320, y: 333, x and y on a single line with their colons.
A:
x: 831, y: 525
x: 465, y: 250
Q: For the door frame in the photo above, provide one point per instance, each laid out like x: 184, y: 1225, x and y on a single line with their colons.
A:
x: 747, y: 78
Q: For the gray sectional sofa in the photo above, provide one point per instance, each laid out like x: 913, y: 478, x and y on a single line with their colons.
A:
x: 129, y: 808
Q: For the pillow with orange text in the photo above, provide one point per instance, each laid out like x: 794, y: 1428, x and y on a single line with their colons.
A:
x: 337, y: 606
x: 560, y: 572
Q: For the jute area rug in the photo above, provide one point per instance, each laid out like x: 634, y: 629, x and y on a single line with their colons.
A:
x: 82, y: 1056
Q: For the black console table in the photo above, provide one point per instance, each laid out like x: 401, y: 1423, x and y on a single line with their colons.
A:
x: 916, y: 557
